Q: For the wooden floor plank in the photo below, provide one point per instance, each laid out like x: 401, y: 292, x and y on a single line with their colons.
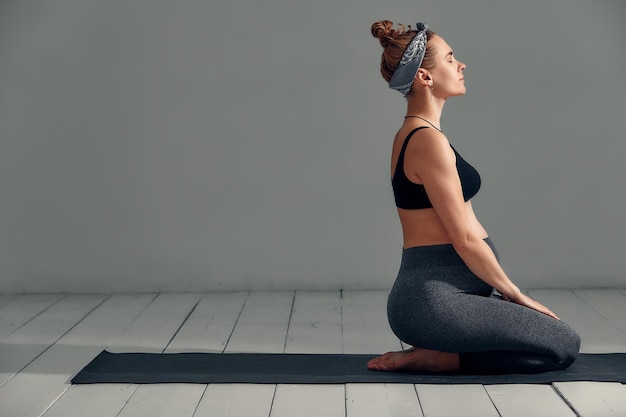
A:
x: 595, y: 399
x: 449, y: 400
x: 60, y: 340
x: 163, y: 400
x: 152, y: 331
x: 8, y: 298
x: 38, y: 386
x: 91, y: 400
x: 261, y: 327
x: 309, y: 401
x: 263, y: 324
x: 596, y: 332
x: 382, y: 400
x: 28, y: 342
x: 365, y: 325
x: 315, y: 325
x: 157, y: 325
x: 22, y: 309
x: 610, y: 304
x: 524, y: 400
x: 236, y: 400
x: 210, y: 325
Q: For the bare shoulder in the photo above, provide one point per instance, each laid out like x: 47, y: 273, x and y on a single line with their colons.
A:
x: 429, y: 146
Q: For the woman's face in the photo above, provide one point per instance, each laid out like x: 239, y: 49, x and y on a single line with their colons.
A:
x: 447, y: 74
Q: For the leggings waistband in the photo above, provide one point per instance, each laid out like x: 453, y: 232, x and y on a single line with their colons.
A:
x: 435, y: 255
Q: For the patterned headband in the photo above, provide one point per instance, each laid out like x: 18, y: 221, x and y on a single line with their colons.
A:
x: 402, y: 79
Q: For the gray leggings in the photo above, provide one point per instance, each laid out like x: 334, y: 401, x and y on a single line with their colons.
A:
x: 437, y: 303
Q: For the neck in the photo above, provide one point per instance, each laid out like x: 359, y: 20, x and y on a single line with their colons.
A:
x: 430, y: 108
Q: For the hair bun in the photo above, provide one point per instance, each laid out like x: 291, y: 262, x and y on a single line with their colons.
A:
x: 384, y: 31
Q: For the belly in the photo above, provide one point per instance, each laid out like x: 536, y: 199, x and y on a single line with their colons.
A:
x: 425, y: 228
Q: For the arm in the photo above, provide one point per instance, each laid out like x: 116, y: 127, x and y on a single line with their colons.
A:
x: 435, y: 164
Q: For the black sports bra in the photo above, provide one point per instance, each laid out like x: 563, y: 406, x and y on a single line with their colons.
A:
x: 412, y: 196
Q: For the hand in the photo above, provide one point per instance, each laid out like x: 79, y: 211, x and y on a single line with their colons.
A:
x: 524, y: 300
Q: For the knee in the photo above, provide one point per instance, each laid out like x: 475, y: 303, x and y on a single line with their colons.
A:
x: 570, y: 348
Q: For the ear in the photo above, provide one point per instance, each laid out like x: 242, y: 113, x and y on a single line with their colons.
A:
x: 423, y: 77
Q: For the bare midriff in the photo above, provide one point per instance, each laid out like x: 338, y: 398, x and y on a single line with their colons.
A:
x: 424, y: 228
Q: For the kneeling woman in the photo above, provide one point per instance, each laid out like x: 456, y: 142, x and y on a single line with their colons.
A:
x: 442, y: 301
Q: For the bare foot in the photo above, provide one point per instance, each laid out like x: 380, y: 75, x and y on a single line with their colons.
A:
x: 416, y: 359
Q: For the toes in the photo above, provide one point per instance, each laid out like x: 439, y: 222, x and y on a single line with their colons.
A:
x: 385, y: 362
x: 379, y: 363
x: 374, y: 363
x: 373, y: 366
x: 376, y: 367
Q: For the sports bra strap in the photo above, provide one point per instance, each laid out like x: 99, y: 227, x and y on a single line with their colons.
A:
x: 400, y: 163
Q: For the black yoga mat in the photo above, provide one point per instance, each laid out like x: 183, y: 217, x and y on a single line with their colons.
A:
x: 270, y: 368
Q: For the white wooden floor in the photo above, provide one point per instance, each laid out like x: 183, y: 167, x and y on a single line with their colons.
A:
x: 45, y: 339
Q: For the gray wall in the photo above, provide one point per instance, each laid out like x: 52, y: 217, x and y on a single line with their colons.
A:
x: 153, y: 145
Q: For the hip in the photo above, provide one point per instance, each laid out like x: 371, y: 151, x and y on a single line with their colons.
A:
x: 435, y: 269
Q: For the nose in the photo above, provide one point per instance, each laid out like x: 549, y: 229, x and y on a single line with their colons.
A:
x: 462, y: 66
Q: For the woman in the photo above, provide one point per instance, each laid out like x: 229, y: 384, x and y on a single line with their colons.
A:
x: 442, y: 301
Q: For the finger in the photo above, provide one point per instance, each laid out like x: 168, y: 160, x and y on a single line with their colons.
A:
x: 549, y: 312
x: 543, y: 309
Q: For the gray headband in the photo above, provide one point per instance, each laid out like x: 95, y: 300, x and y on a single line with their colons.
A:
x: 402, y: 79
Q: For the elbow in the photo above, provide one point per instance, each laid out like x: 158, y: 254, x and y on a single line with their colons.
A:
x: 464, y: 243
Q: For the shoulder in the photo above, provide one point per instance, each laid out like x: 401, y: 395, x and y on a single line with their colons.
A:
x: 428, y: 144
